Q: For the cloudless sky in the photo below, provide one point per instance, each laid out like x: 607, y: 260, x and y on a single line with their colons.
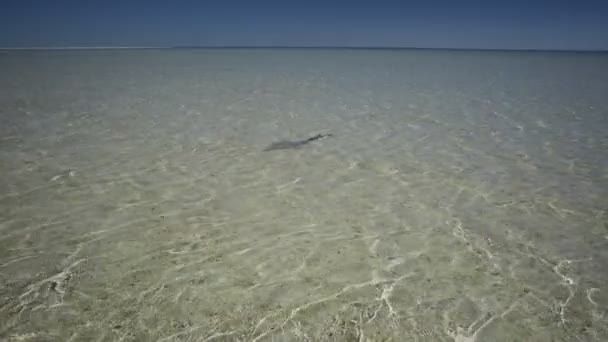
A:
x: 532, y: 24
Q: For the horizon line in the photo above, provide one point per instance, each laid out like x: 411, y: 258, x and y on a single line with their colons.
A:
x: 185, y: 47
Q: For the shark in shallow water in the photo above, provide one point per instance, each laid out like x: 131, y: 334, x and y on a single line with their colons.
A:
x: 288, y: 144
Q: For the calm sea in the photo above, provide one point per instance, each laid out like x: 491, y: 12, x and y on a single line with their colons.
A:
x: 461, y: 195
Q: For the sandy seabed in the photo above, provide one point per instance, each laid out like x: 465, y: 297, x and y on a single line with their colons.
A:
x: 461, y: 197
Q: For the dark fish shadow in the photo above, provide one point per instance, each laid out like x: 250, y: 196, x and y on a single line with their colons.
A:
x: 292, y: 145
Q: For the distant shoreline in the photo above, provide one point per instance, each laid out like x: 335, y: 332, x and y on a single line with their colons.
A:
x: 83, y: 47
x: 60, y: 48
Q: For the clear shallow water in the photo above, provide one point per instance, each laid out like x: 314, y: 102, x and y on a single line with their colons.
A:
x: 462, y: 197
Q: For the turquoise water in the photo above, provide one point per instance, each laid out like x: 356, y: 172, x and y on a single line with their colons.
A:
x: 462, y: 196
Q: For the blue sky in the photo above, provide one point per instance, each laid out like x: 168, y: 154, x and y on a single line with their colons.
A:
x: 515, y: 24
